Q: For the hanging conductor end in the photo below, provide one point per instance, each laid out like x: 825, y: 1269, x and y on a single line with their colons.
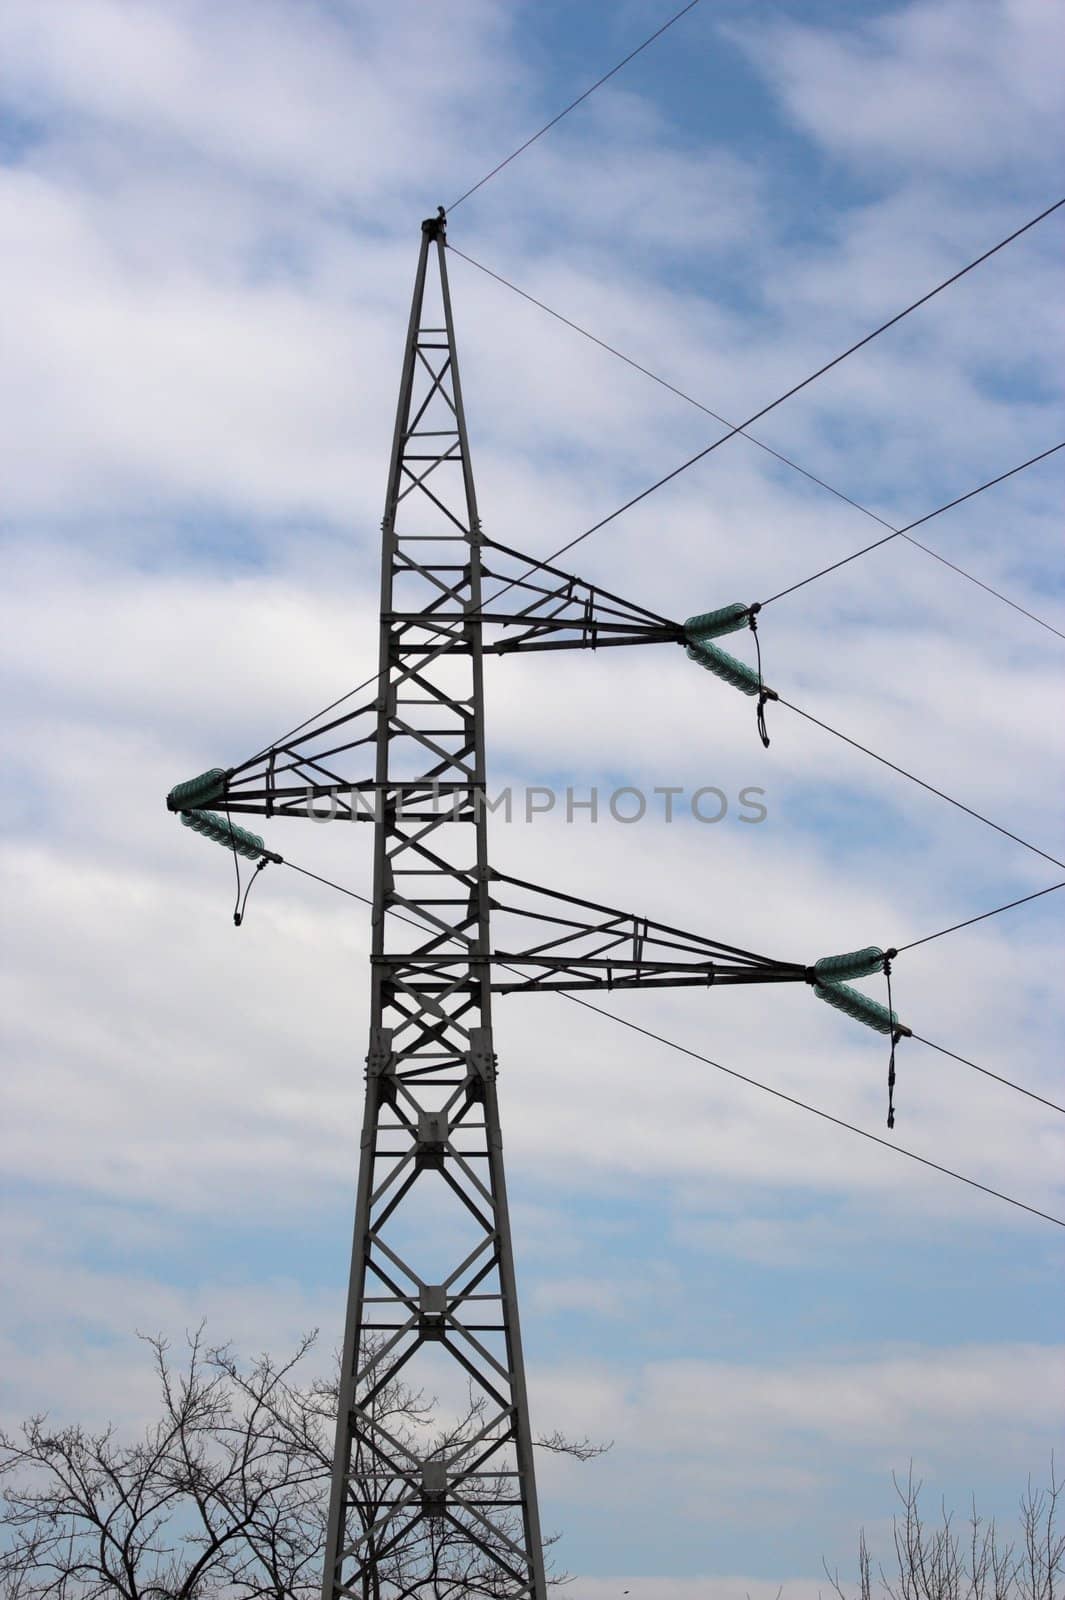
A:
x: 763, y: 693
x: 241, y: 906
x: 896, y: 1035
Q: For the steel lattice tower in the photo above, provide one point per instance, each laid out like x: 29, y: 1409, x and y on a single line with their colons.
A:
x: 432, y: 1293
x: 431, y: 1101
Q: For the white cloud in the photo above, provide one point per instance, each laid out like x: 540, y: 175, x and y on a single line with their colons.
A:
x: 762, y: 1447
x: 208, y: 254
x: 942, y: 85
x: 291, y: 95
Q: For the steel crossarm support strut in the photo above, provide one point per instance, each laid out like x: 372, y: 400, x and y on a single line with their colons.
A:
x: 541, y: 607
x: 544, y: 939
x: 330, y: 758
x: 432, y: 1298
x: 323, y: 771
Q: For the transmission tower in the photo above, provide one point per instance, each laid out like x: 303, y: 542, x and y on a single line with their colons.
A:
x: 432, y: 1295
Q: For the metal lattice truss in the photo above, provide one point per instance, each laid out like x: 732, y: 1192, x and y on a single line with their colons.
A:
x: 546, y: 609
x: 432, y: 1296
x: 432, y: 1300
x: 544, y: 939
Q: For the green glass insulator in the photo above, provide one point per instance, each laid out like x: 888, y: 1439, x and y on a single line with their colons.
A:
x: 197, y: 791
x: 853, y: 964
x: 726, y: 667
x: 860, y: 1007
x: 226, y: 833
x: 712, y: 624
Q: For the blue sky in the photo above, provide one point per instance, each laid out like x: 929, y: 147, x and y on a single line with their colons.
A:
x: 209, y: 219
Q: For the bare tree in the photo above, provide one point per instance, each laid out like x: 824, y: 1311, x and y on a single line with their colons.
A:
x: 974, y: 1561
x: 225, y: 1495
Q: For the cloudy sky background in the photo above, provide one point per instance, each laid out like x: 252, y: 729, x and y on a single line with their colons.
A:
x: 209, y: 225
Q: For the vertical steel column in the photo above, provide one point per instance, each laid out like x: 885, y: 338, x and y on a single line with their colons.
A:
x: 432, y: 1296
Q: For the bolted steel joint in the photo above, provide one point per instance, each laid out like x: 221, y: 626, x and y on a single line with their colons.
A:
x: 434, y: 1488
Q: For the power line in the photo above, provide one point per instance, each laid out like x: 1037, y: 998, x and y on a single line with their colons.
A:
x: 751, y: 438
x: 733, y: 430
x: 899, y: 951
x: 339, y: 887
x: 574, y: 104
x: 894, y: 767
x: 985, y: 586
x: 899, y: 532
x: 989, y: 1074
x: 920, y: 782
x: 787, y: 395
x: 894, y: 533
x: 814, y: 1110
x: 883, y: 760
x: 731, y: 1072
x: 981, y: 918
x: 374, y: 676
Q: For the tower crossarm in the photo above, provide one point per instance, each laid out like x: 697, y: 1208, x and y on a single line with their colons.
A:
x: 327, y: 757
x: 546, y: 939
x: 532, y: 605
x: 323, y: 769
